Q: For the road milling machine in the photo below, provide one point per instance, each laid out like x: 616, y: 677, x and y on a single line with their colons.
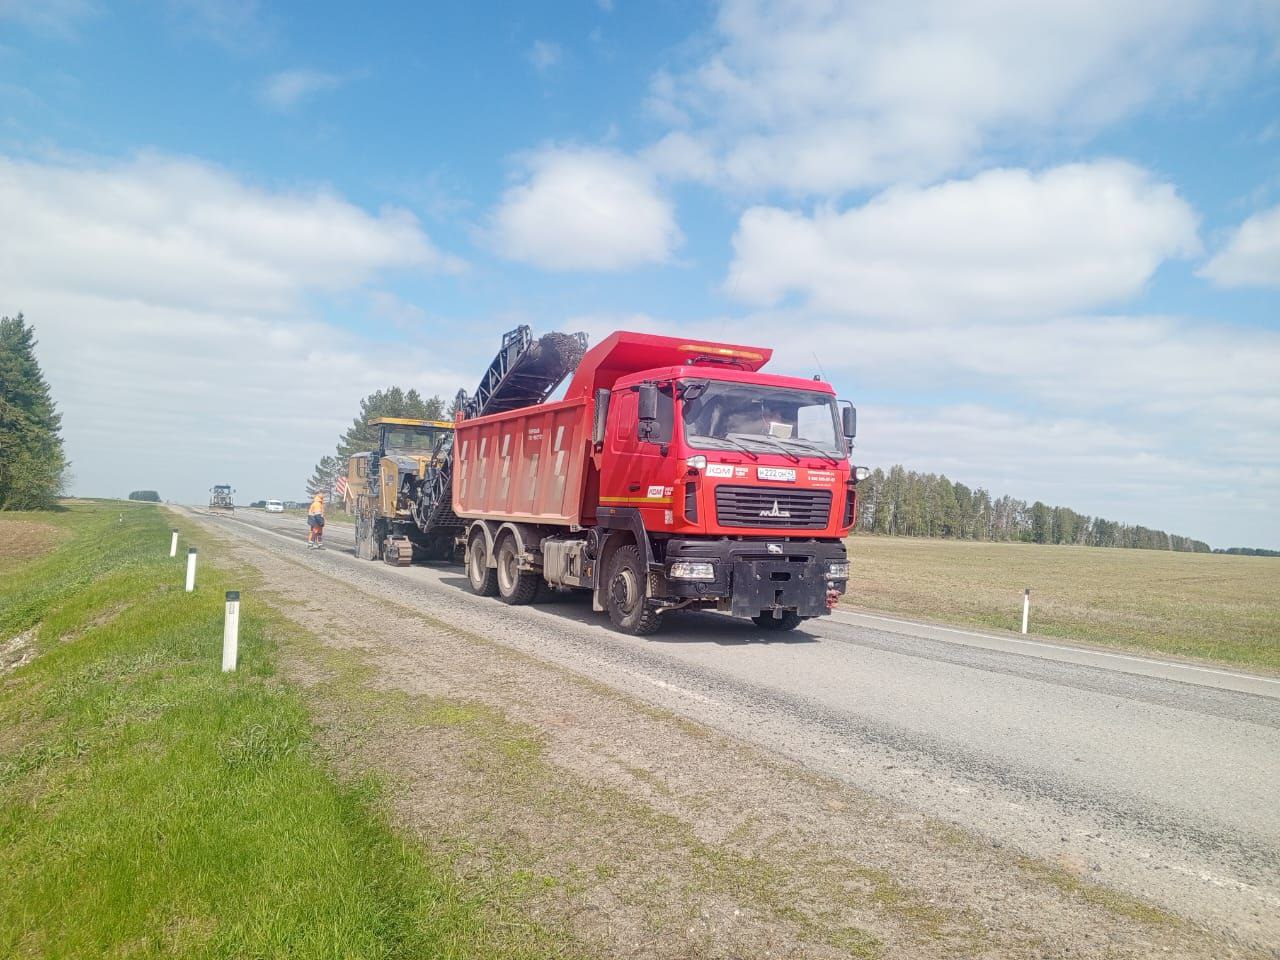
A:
x: 384, y: 487
x: 220, y: 498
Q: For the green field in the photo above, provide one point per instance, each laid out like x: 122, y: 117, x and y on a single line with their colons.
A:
x: 1209, y: 606
x: 151, y: 805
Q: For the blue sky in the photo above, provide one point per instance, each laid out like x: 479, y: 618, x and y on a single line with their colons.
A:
x: 1039, y: 248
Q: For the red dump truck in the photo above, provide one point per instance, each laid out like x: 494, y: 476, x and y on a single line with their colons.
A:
x: 672, y: 475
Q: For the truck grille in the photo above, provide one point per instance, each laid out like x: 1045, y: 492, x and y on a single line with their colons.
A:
x: 771, y: 507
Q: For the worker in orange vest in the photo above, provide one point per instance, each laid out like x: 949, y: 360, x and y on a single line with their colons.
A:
x: 315, y: 520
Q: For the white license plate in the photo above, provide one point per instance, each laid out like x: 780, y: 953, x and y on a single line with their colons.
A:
x: 785, y: 474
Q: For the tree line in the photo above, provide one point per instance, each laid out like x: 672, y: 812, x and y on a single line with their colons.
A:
x: 905, y: 503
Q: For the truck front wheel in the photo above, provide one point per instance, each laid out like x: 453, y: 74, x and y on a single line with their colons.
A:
x: 624, y: 594
x: 482, y: 577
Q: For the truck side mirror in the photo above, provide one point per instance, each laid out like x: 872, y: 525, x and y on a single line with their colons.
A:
x: 648, y: 403
x: 601, y: 417
x: 849, y: 420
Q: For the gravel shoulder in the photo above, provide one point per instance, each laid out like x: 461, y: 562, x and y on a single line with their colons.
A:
x: 640, y: 833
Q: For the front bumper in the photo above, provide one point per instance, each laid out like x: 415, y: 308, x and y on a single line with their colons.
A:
x: 758, y: 576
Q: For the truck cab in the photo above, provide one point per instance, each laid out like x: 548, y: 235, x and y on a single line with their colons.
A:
x: 740, y: 480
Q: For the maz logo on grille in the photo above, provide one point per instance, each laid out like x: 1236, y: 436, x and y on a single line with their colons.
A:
x: 775, y: 512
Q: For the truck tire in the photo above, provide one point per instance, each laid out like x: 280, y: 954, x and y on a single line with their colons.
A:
x: 515, y: 587
x: 788, y: 621
x: 624, y: 595
x: 482, y: 577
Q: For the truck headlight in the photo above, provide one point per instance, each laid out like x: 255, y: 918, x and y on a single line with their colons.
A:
x: 838, y: 570
x: 692, y: 570
x: 861, y: 473
x: 698, y: 462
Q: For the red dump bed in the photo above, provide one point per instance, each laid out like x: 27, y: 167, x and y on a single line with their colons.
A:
x: 524, y: 465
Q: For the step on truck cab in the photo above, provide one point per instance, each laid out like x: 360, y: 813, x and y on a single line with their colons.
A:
x: 672, y: 475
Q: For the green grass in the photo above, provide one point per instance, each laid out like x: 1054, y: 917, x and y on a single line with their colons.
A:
x: 151, y: 806
x: 1208, y: 606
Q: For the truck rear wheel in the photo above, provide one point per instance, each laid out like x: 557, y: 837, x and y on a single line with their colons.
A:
x: 788, y: 621
x: 624, y: 596
x: 515, y: 587
x: 482, y: 577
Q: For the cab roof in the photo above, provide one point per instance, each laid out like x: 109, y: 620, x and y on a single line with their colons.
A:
x: 624, y: 353
x: 408, y: 422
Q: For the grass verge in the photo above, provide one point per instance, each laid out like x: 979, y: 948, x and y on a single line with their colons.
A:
x: 1208, y: 606
x: 153, y: 806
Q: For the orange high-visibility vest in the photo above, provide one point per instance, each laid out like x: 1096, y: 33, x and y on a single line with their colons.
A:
x: 317, y: 508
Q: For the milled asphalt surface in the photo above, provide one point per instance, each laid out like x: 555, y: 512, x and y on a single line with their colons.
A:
x: 1157, y: 778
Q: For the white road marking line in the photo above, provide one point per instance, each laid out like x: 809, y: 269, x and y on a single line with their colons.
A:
x: 1054, y: 646
x: 692, y: 695
x: 1225, y: 882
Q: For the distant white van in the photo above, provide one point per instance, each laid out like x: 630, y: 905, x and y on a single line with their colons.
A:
x: 275, y: 506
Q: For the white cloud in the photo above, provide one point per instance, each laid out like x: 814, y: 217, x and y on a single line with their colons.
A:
x: 1251, y: 257
x: 680, y: 156
x: 170, y: 302
x: 238, y: 25
x: 172, y: 231
x: 826, y: 97
x: 386, y: 306
x: 1008, y: 243
x: 1120, y: 471
x: 57, y: 18
x: 584, y: 209
x: 544, y: 55
x: 285, y: 90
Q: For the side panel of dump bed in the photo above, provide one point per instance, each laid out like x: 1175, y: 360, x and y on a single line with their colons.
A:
x: 526, y: 465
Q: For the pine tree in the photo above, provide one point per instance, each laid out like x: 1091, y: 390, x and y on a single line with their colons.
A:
x: 392, y: 402
x: 325, y: 473
x: 32, y: 462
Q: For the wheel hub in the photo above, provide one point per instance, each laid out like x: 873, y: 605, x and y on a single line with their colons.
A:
x: 623, y: 590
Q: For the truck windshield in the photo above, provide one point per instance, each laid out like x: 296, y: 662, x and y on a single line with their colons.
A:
x: 718, y: 414
x: 411, y: 440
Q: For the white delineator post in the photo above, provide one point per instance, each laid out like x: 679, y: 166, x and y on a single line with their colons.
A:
x: 191, y: 569
x: 1026, y: 608
x: 231, y: 631
x: 173, y: 544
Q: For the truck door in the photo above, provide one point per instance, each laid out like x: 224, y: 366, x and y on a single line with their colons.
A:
x: 633, y: 471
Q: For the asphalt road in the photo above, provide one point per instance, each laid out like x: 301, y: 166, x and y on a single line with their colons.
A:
x: 1157, y: 778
